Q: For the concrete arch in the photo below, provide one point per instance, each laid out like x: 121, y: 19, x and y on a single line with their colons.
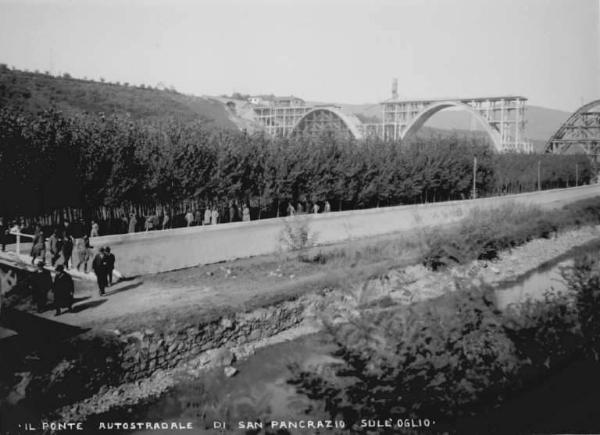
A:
x: 417, y: 122
x: 567, y: 127
x: 329, y: 117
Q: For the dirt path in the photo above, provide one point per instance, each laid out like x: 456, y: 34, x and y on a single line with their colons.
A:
x: 208, y: 291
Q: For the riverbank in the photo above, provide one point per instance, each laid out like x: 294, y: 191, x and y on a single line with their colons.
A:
x: 404, y: 285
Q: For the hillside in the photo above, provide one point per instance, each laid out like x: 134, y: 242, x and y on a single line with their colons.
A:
x: 37, y: 91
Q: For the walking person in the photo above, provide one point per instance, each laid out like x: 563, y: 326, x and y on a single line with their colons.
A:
x: 41, y: 283
x: 245, y: 213
x: 315, y: 208
x: 207, y: 215
x: 232, y: 211
x: 3, y: 234
x: 38, y: 248
x: 132, y: 223
x: 63, y: 290
x: 55, y: 242
x: 327, y: 208
x: 214, y: 216
x: 189, y: 218
x: 84, y: 251
x: 67, y: 250
x: 110, y: 265
x: 95, y: 231
x: 149, y: 223
x: 291, y: 210
x: 99, y: 266
x: 166, y: 220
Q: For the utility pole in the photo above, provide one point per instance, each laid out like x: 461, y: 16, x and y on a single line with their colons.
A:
x: 539, y: 180
x: 474, y: 194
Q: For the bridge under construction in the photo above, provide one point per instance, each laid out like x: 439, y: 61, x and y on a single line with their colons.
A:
x: 502, y: 118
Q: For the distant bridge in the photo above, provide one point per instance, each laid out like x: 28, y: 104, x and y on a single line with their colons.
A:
x: 502, y: 118
x: 580, y: 133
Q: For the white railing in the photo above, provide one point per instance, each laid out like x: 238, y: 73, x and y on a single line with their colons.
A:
x: 17, y: 232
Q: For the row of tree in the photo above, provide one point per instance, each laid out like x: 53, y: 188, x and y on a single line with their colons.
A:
x: 50, y: 161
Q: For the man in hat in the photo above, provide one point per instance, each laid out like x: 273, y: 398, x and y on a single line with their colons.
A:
x: 41, y: 283
x: 99, y: 266
x: 63, y: 290
x: 110, y: 265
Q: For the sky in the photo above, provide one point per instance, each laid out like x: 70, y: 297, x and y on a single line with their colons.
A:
x: 344, y: 51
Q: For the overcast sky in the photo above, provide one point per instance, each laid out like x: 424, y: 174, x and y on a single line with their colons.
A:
x: 343, y: 51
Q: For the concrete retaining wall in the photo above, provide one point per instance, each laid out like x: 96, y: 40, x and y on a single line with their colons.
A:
x: 160, y: 251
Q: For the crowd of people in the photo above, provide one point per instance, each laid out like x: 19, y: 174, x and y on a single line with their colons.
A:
x: 67, y: 248
x: 160, y: 218
x: 306, y: 208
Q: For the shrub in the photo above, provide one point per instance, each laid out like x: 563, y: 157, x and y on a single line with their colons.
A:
x: 546, y: 331
x: 584, y: 280
x: 296, y: 234
x: 482, y: 234
x: 433, y: 358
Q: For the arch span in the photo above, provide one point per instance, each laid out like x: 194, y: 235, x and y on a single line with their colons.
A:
x: 580, y: 130
x: 417, y: 122
x: 322, y: 119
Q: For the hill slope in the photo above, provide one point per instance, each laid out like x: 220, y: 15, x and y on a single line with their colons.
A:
x: 35, y: 91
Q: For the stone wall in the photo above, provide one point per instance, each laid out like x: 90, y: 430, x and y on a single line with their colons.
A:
x: 144, y: 352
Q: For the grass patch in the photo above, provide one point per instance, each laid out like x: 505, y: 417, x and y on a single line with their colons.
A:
x: 483, y: 234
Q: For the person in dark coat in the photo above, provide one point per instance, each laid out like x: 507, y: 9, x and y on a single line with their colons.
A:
x: 67, y: 249
x: 3, y: 234
x: 99, y: 266
x: 41, y: 283
x: 63, y: 290
x: 110, y: 265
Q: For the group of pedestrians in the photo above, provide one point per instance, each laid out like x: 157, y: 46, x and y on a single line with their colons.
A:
x: 59, y: 247
x: 306, y: 208
x: 62, y: 287
x: 61, y: 244
x: 211, y: 216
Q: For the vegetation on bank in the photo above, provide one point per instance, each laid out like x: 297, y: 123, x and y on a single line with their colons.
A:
x: 484, y: 233
x: 52, y: 161
x: 459, y: 355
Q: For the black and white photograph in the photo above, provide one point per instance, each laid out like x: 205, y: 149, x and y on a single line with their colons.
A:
x: 278, y: 217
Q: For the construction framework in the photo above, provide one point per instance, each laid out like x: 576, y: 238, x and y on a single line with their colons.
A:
x: 581, y: 132
x: 280, y: 120
x: 503, y: 117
